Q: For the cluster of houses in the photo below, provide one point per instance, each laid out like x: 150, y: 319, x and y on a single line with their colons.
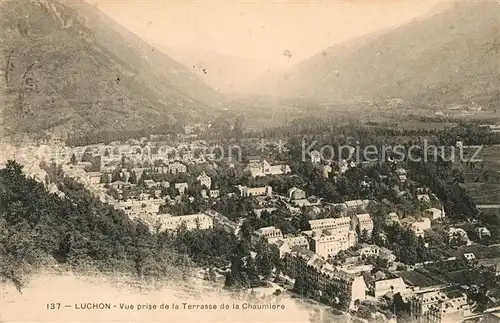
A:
x: 437, y: 304
x: 261, y: 168
x: 146, y: 205
x: 310, y: 254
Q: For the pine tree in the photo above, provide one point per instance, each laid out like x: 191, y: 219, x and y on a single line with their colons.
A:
x: 116, y: 176
x: 363, y: 238
x: 263, y: 262
x: 238, y: 129
x: 104, y: 179
x: 299, y: 286
x: 133, y: 178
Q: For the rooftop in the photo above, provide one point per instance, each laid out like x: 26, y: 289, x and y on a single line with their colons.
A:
x: 363, y: 217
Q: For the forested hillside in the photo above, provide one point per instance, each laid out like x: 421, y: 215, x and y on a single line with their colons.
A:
x: 78, y: 230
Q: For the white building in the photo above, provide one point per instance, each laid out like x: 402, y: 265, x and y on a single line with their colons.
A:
x: 331, y: 243
x: 439, y: 306
x: 263, y: 168
x: 369, y: 250
x: 150, y: 183
x: 181, y: 187
x: 469, y: 256
x: 285, y: 245
x: 394, y: 285
x: 337, y: 224
x: 434, y: 214
x: 296, y: 194
x: 271, y: 234
x: 303, y: 262
x: 214, y: 194
x: 343, y: 166
x: 192, y: 221
x: 255, y: 191
x: 401, y: 172
x: 450, y: 311
x: 459, y: 235
x: 205, y: 180
x: 419, y: 227
x: 423, y: 198
x: 391, y: 219
x: 94, y: 178
x: 327, y: 169
x: 315, y: 157
x: 176, y: 168
x: 483, y: 232
x: 354, y: 204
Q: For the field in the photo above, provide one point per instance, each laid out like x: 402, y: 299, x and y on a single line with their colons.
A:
x: 419, y: 279
x: 483, y: 193
x: 483, y: 181
x: 480, y: 251
x: 491, y: 157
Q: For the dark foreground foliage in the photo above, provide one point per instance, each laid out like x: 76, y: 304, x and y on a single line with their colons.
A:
x: 81, y: 232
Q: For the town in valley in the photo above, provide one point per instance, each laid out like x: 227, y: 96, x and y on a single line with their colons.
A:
x: 342, y: 156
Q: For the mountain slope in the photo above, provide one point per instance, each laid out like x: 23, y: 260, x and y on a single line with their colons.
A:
x: 450, y: 57
x: 147, y: 59
x: 70, y: 70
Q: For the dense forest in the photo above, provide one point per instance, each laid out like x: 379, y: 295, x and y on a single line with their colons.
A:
x: 328, y: 131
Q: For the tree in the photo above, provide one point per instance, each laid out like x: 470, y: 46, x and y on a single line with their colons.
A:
x: 264, y: 259
x: 331, y: 294
x: 211, y: 275
x: 366, y: 312
x: 238, y: 277
x: 382, y: 263
x: 358, y: 230
x: 251, y: 272
x: 116, y: 176
x: 73, y: 160
x: 238, y: 129
x: 133, y: 178
x: 407, y: 247
x: 141, y: 180
x: 299, y: 285
x: 364, y: 237
x: 246, y: 231
x: 104, y: 179
x: 78, y: 230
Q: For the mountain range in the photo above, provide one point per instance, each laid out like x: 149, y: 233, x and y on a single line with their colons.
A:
x: 448, y: 56
x: 70, y: 69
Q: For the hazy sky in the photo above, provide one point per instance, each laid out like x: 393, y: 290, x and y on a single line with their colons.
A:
x: 260, y: 30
